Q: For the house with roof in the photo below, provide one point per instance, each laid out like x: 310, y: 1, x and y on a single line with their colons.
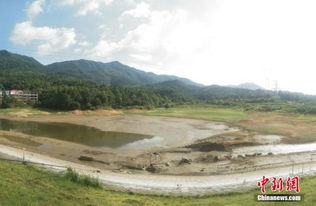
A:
x: 20, y: 95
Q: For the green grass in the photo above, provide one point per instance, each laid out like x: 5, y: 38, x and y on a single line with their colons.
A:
x: 206, y: 112
x: 81, y: 179
x: 10, y: 110
x: 309, y: 118
x: 27, y: 185
x: 21, y: 140
x: 33, y: 111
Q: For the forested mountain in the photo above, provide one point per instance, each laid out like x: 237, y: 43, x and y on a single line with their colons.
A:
x: 15, y: 63
x: 21, y: 72
x: 176, y: 91
x: 84, y: 84
x: 112, y: 73
x: 62, y: 91
x: 248, y: 85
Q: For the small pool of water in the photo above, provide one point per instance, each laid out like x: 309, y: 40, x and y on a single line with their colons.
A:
x: 276, y: 149
x: 81, y: 134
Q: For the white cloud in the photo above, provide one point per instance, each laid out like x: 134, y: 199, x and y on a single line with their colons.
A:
x: 142, y: 10
x: 77, y: 50
x: 66, y: 2
x: 35, y: 8
x: 143, y: 58
x: 48, y: 39
x: 103, y: 49
x: 223, y: 42
x: 84, y: 44
x: 86, y: 6
x: 164, y: 40
x: 235, y: 43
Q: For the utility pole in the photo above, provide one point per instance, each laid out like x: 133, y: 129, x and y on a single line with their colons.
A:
x: 276, y: 87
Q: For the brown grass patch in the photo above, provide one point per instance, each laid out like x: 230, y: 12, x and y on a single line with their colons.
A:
x: 137, y: 110
x: 279, y: 124
x: 96, y: 112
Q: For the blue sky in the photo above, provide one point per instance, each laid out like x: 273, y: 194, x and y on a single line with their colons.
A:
x: 211, y: 42
x: 8, y: 19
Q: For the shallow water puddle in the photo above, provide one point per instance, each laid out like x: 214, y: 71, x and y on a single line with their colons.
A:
x: 275, y: 149
x: 81, y: 134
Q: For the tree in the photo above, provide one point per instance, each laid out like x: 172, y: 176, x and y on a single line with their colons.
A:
x: 8, y: 101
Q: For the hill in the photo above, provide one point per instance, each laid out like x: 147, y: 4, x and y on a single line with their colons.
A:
x: 18, y: 71
x: 113, y: 73
x: 248, y: 85
x: 84, y: 84
x: 14, y: 63
x: 176, y: 90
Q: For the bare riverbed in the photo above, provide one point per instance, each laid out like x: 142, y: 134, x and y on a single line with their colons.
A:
x: 154, y: 146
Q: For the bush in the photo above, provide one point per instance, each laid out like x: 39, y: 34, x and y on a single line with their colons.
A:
x: 82, y: 179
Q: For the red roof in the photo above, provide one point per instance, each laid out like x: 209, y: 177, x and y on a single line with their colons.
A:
x: 14, y: 91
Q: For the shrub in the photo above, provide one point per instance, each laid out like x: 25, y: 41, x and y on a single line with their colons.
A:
x: 82, y: 179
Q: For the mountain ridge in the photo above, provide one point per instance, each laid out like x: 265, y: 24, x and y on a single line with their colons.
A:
x: 118, y: 85
x: 247, y: 85
x: 111, y: 73
x: 114, y: 73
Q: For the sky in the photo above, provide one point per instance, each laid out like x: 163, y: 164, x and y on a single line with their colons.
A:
x: 221, y: 42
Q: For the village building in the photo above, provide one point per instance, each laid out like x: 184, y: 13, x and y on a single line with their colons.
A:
x: 20, y: 95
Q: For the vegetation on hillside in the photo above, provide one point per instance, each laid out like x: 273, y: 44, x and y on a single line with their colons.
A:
x: 91, y: 85
x: 112, y: 73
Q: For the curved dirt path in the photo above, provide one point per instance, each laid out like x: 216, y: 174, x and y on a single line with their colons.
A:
x: 160, y: 184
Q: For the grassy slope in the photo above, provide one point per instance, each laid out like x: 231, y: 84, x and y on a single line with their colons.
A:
x: 27, y: 185
x: 28, y: 110
x: 213, y: 113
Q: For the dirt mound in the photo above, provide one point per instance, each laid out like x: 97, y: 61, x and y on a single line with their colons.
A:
x: 208, y: 146
x: 213, y: 156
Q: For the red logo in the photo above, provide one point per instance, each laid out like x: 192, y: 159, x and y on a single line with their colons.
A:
x: 278, y: 183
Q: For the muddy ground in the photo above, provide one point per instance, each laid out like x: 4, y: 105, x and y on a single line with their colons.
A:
x: 187, y: 147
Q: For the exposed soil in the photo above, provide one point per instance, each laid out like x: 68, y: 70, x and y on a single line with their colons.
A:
x: 183, y: 146
x: 296, y: 129
x: 185, y: 156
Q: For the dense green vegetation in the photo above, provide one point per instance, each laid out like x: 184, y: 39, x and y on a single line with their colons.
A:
x: 245, y: 99
x: 87, y: 96
x: 65, y: 92
x: 86, y: 84
x: 27, y: 185
x: 112, y: 73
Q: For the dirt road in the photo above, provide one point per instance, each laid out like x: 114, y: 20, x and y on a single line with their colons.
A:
x: 163, y: 184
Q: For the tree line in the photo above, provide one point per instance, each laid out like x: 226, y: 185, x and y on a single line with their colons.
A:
x: 62, y: 92
x: 68, y: 93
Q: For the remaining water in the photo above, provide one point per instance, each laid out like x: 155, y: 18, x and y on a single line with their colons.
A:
x: 276, y: 149
x: 81, y: 134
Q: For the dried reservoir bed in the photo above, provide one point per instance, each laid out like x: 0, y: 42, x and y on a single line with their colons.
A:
x: 169, y: 146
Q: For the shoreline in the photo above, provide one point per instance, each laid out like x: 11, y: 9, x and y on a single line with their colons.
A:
x: 165, y: 184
